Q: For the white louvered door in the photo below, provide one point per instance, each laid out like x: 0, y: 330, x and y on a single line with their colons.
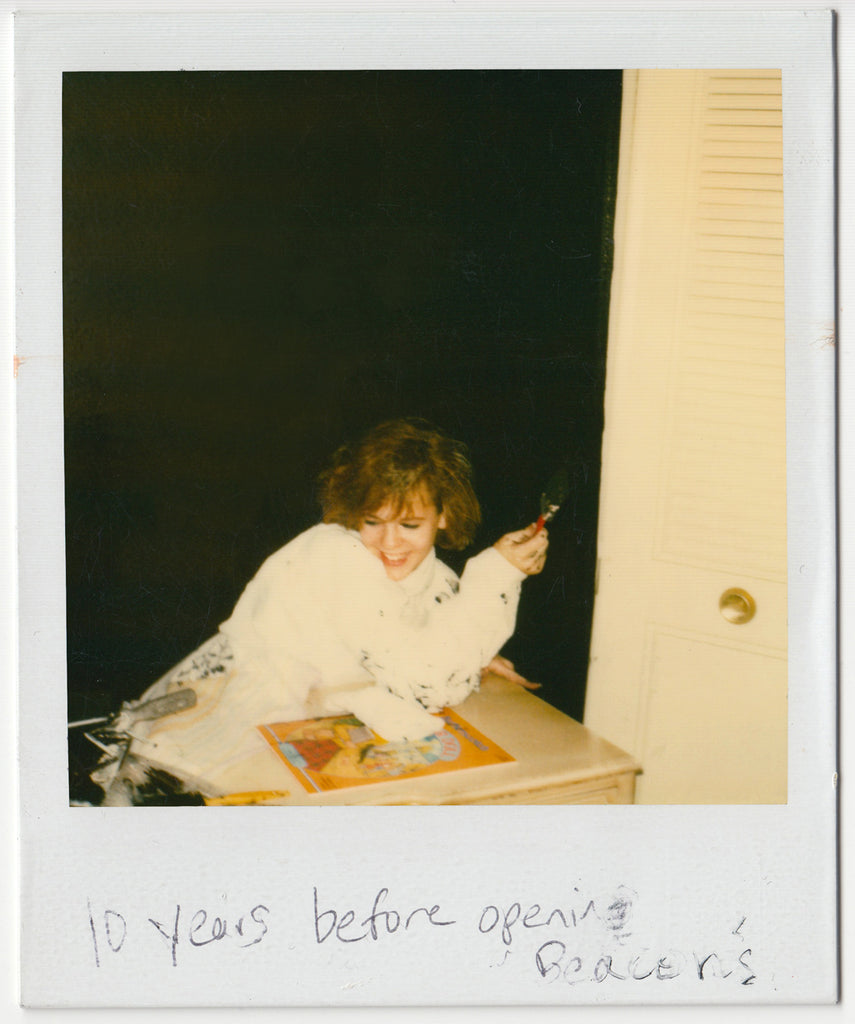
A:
x: 693, y: 496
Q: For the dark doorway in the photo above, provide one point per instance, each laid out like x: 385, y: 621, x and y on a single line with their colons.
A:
x: 259, y: 265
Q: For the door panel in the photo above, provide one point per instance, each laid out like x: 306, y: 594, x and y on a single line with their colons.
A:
x: 696, y: 681
x: 693, y: 494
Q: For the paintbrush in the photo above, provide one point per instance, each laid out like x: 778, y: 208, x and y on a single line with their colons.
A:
x: 553, y: 497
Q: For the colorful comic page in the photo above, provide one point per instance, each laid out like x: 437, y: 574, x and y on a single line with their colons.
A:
x: 339, y: 751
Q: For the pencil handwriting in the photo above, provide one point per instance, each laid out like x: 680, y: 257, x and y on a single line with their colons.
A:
x: 379, y: 921
x: 577, y: 940
x: 179, y: 929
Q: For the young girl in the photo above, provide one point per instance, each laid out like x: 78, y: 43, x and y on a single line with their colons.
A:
x: 358, y: 614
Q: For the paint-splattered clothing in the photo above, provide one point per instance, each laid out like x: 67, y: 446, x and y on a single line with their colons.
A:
x: 322, y: 630
x: 321, y: 612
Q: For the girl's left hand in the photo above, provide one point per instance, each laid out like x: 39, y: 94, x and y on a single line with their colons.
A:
x: 502, y: 667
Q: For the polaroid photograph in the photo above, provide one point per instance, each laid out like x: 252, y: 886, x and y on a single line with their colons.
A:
x: 426, y: 483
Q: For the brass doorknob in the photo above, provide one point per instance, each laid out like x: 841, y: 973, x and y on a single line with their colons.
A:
x: 737, y: 606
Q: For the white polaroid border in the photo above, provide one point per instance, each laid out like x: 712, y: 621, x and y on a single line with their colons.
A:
x: 108, y: 895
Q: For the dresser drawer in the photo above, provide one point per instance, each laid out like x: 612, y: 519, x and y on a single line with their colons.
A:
x: 614, y: 789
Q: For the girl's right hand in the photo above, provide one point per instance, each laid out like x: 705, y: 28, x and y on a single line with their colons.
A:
x: 525, y: 549
x: 502, y: 667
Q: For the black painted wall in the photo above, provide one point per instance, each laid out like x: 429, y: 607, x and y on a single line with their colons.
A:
x: 259, y: 265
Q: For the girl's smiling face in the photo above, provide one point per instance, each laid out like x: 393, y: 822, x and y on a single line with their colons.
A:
x: 402, y: 539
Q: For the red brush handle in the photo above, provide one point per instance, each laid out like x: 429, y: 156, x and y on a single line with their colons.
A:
x: 541, y: 521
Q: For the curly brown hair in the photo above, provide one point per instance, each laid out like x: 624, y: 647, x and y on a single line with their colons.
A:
x: 392, y: 463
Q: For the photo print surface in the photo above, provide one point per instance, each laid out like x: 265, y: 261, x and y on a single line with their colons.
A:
x: 573, y: 242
